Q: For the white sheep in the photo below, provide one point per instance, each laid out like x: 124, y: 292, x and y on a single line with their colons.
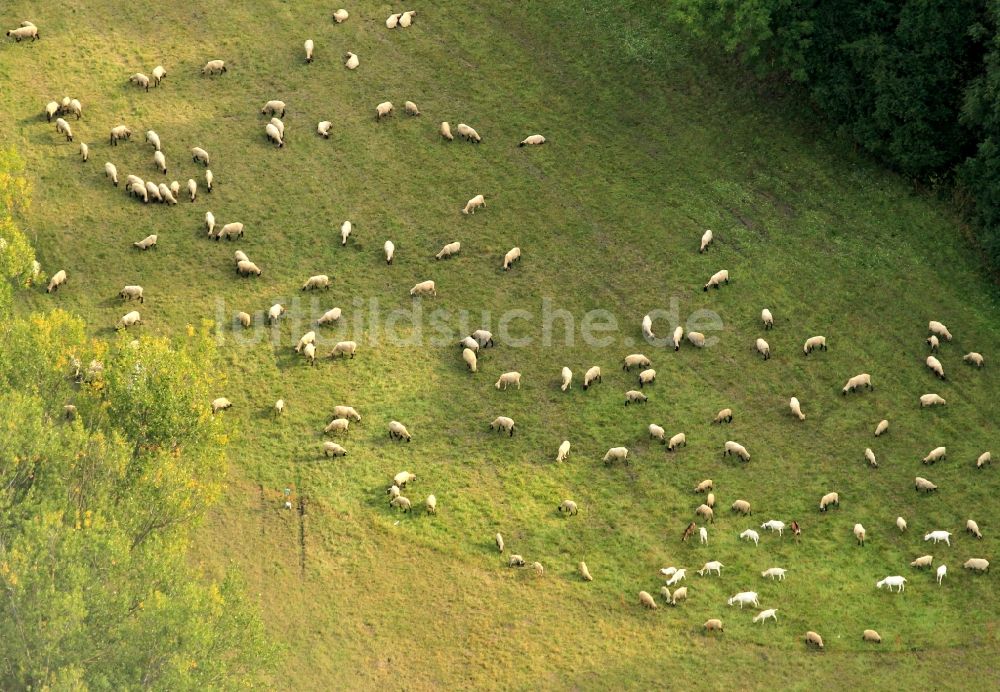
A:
x: 862, y: 380
x: 881, y: 428
x: 51, y: 109
x: 814, y: 639
x: 813, y: 343
x: 827, y: 500
x: 336, y: 450
x: 401, y: 502
x: 923, y: 561
x: 515, y: 561
x: 796, y: 408
x: 153, y: 139
x: 656, y: 432
x: 931, y: 400
x: 767, y: 318
x: 274, y: 107
x: 763, y: 348
x: 389, y: 248
x: 704, y: 486
x: 75, y: 107
x: 513, y: 255
x: 503, y: 424
x: 774, y: 573
x: 751, y: 535
x: 158, y: 74
x: 567, y: 378
x: 765, y: 614
x: 473, y: 204
x: 871, y: 636
x: 316, y: 282
x: 592, y: 375
x: 323, y: 129
x: 680, y: 594
x: 209, y: 178
x: 923, y: 484
x: 383, y: 110
x: 483, y: 337
x: 25, y: 31
x: 309, y: 46
x: 935, y: 366
x: 431, y: 507
x: 717, y: 278
x: 532, y: 140
x: 424, y: 288
x: 344, y: 348
x: 348, y: 412
x: 340, y: 16
x: 936, y: 454
x: 231, y: 230
x: 568, y: 507
x: 647, y: 377
x: 221, y: 404
x: 341, y: 425
x: 973, y: 358
x: 449, y: 250
x: 129, y: 319
x: 498, y: 539
x: 741, y: 506
x: 616, y: 454
x: 942, y: 570
x: 166, y: 196
x: 563, y: 453
x: 111, y: 171
x: 246, y: 268
x: 245, y: 320
x: 647, y: 327
x: 469, y: 356
x: 713, y: 624
x: 706, y: 240
x: 445, y: 131
x: 938, y: 536
x: 646, y: 600
x: 735, y: 448
x: 275, y: 312
x: 146, y: 243
x: 933, y: 342
x: 939, y: 329
x: 469, y: 343
x: 703, y: 535
x: 706, y: 513
x: 744, y: 598
x: 406, y: 18
x: 274, y: 135
x: 774, y: 525
x: 677, y: 577
x: 897, y: 581
x: 901, y: 523
x: 214, y: 67
x: 983, y: 459
x: 675, y: 340
x: 392, y: 21
x: 345, y: 232
x: 63, y: 128
x: 859, y: 533
x: 678, y: 440
x: 634, y: 396
x: 724, y: 416
x: 161, y: 161
x: 709, y: 567
x: 410, y: 108
x: 84, y: 151
x: 210, y: 222
x: 351, y: 61
x: 118, y: 133
x: 469, y: 133
x: 697, y: 339
x: 140, y: 80
x: 977, y: 563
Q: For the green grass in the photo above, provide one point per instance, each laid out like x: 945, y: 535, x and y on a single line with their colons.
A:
x: 648, y: 146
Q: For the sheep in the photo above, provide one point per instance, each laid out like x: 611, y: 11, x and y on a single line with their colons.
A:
x: 323, y: 129
x: 936, y: 454
x: 796, y: 408
x: 679, y: 595
x: 469, y: 356
x: 192, y: 188
x: 724, y: 416
x: 210, y: 223
x: 706, y: 513
x: 567, y: 378
x: 331, y: 315
x: 389, y: 249
x: 25, y: 31
x: 392, y: 21
x: 942, y: 570
x: 704, y: 486
x: 774, y: 573
x: 64, y: 103
x: 569, y: 507
x: 813, y: 343
x: 647, y: 377
x: 448, y: 250
x: 146, y: 243
x: 118, y: 133
x: 717, y: 278
x: 933, y: 342
x: 767, y: 319
x: 889, y: 582
x: 335, y: 449
x: 616, y: 454
x: 245, y: 319
x: 741, y: 506
x: 977, y: 563
x: 862, y: 380
x: 175, y: 188
x: 383, y: 110
x: 938, y: 536
x: 132, y: 293
x: 340, y: 16
x: 713, y: 624
x: 274, y: 107
x: 678, y: 440
x: 669, y: 571
x: 647, y: 601
x: 709, y: 567
x: 513, y: 255
x: 859, y: 533
x: 532, y: 140
x: 656, y: 432
x: 923, y: 484
x: 398, y: 431
x: 634, y: 396
x: 697, y: 339
x: 345, y: 348
x: 69, y: 412
x: 221, y: 404
x: 351, y: 61
x: 406, y: 18
x: 161, y: 161
x: 63, y: 128
x: 308, y: 46
x: 153, y: 192
x: 230, y: 231
x: 763, y: 348
x: 592, y: 375
x: 214, y: 67
x: 901, y: 523
x: 744, y: 598
x: 246, y: 267
x: 431, y: 507
x: 515, y: 561
x: 923, y: 561
x: 737, y: 449
x: 445, y: 131
x: 647, y: 327
x: 424, y: 288
x: 675, y: 340
x: 935, y: 366
x: 158, y: 74
x: 829, y: 499
x: 473, y: 204
x: 274, y: 135
x: 973, y: 358
x: 345, y: 232
x: 871, y: 636
x: 140, y: 80
x: 498, y: 539
x: 348, y: 412
x: 703, y: 534
x: 881, y: 428
x: 765, y: 614
x: 939, y: 329
x: 468, y: 133
x: 199, y: 155
x: 316, y: 282
x: 483, y: 337
x: 401, y: 502
x: 138, y: 188
x: 774, y: 525
x: 411, y: 108
x: 931, y: 400
x: 275, y: 312
x: 813, y: 639
x: 166, y: 194
x: 309, y: 352
x: 111, y: 171
x: 983, y: 459
x: 677, y: 577
x: 153, y: 139
x: 563, y: 453
x: 51, y: 109
x: 84, y: 151
x: 340, y: 425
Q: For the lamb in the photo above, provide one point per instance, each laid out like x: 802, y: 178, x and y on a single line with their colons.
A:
x: 592, y: 375
x: 503, y: 424
x: 813, y: 343
x: 192, y: 188
x: 678, y: 440
x: 933, y: 342
x: 335, y: 449
x: 569, y: 507
x: 345, y: 348
x: 483, y: 337
x: 214, y: 67
x: 153, y: 139
x: 274, y: 135
x: 468, y: 133
x: 275, y: 312
x: 323, y: 129
x: 146, y: 243
x: 221, y: 404
x: 424, y: 288
x: 767, y: 319
x: 341, y: 425
x: 118, y: 133
x: 862, y: 380
x: 513, y: 255
x: 935, y: 454
x: 939, y: 329
x: 796, y: 408
x: 445, y: 131
x: 697, y: 339
x: 977, y: 563
x: 704, y: 486
x: 340, y: 16
x: 567, y: 378
x: 675, y: 340
x: 647, y: 377
x: 498, y: 539
x: 348, y: 412
x: 774, y: 573
x: 63, y: 128
x: 706, y: 513
x: 741, y: 506
x: 737, y: 449
x: 706, y: 240
x: 129, y: 319
x: 84, y: 151
x: 383, y: 110
x: 245, y: 319
x: 616, y: 454
x: 647, y: 601
x: 774, y: 525
x: 515, y: 561
x: 230, y: 231
x: 931, y: 400
x: 901, y: 523
x: 724, y: 416
x: 392, y: 21
x: 881, y: 428
x: 656, y: 432
x: 111, y: 171
x: 814, y: 639
x: 709, y: 567
x: 469, y: 356
x: 923, y: 484
x: 563, y: 453
x: 316, y: 282
x: 411, y: 108
x: 199, y: 155
x: 274, y: 107
x: 473, y: 204
x: 246, y: 267
x: 532, y: 140
x: 161, y: 161
x: 765, y: 614
x: 158, y: 74
x: 634, y: 396
x: 827, y: 500
x: 763, y: 348
x: 390, y: 250
x: 744, y: 598
x: 308, y: 46
x: 647, y: 327
x: 973, y: 358
x: 210, y: 223
x: 938, y: 536
x: 401, y: 502
x: 983, y: 459
x: 448, y: 250
x: 406, y: 18
x: 345, y: 232
x: 713, y: 624
x: 140, y: 80
x: 897, y: 581
x: 935, y: 366
x: 922, y: 561
x: 859, y: 533
x: 351, y: 61
x: 132, y: 293
x: 677, y: 576
x: 942, y: 570
x: 717, y: 278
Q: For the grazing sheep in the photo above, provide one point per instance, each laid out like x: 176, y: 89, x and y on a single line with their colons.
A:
x: 483, y: 337
x: 563, y: 453
x: 713, y: 624
x: 763, y: 348
x: 616, y: 454
x: 246, y: 267
x: 706, y: 240
x: 862, y: 380
x: 469, y: 356
x: 308, y: 46
x: 314, y: 282
x: 881, y: 428
x: 275, y: 312
x: 351, y: 61
x: 383, y: 110
x: 344, y: 348
x: 166, y: 195
x: 84, y: 151
x: 111, y: 171
x: 813, y: 343
x: 724, y: 416
x: 737, y: 449
x: 210, y: 222
x: 704, y: 486
x: 827, y: 500
x: 309, y: 351
x: 69, y: 412
x: 680, y: 594
x: 813, y: 639
x: 717, y: 278
x: 515, y: 561
x: 25, y: 31
x: 153, y: 192
x: 146, y: 243
x: 647, y: 327
x: 592, y: 375
x: 345, y: 232
x: 973, y: 358
x: 871, y: 636
x: 744, y: 598
x: 221, y: 404
x: 340, y: 16
x: 274, y: 108
x: 977, y: 563
x: 709, y: 567
x: 209, y: 178
x: 51, y: 109
x: 140, y: 80
x: 567, y: 378
x: 513, y: 255
x: 469, y: 343
x: 137, y: 186
x: 389, y: 248
x: 340, y: 425
x: 132, y: 293
x: 765, y: 614
x: 401, y: 502
x: 647, y: 601
x: 468, y: 133
x: 445, y: 131
x: 153, y: 139
x: 348, y: 412
x: 503, y: 424
x: 192, y: 188
x: 402, y: 478
x: 931, y: 400
x: 767, y: 319
x: 569, y: 507
x: 870, y: 458
x: 161, y: 161
x: 537, y: 567
x: 741, y: 506
x: 449, y: 250
x: 647, y: 377
x: 774, y: 573
x: 406, y: 18
x: 532, y: 140
x: 774, y: 525
x: 933, y: 342
x: 230, y: 231
x: 677, y: 576
x: 498, y: 539
x: 796, y: 408
x: 656, y: 432
x: 274, y: 135
x: 214, y: 67
x: 901, y: 523
x: 118, y: 133
x: 923, y: 484
x: 336, y: 450
x: 983, y: 459
x: 675, y: 340
x: 935, y: 366
x: 63, y: 128
x: 942, y: 570
x: 473, y: 204
x: 706, y: 513
x: 392, y: 21
x: 938, y: 536
x: 245, y: 320
x: 431, y: 507
x: 411, y: 108
x: 424, y: 288
x: 323, y: 129
x: 199, y: 155
x: 889, y: 582
x: 697, y: 339
x: 634, y: 396
x: 678, y: 440
x: 936, y: 454
x: 703, y: 534
x: 158, y: 74
x: 859, y: 533
x: 939, y: 329
x: 923, y: 561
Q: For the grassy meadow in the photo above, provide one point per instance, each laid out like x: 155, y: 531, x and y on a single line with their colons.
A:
x: 648, y: 145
